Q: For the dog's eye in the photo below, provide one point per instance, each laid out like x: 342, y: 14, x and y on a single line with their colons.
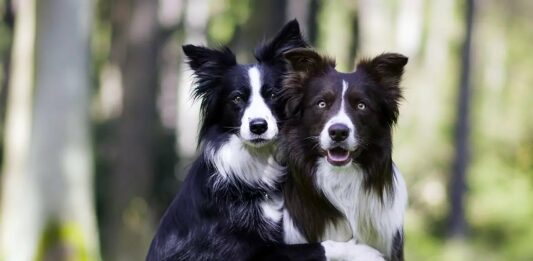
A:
x: 237, y: 99
x: 361, y: 106
x: 321, y: 104
x: 272, y: 95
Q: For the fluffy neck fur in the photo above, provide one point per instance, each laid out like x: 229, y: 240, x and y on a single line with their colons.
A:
x: 237, y: 164
x: 374, y: 219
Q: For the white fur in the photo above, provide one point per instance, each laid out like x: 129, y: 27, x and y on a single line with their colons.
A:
x: 343, y: 118
x: 372, y: 222
x: 257, y: 109
x: 272, y: 209
x: 340, y: 231
x: 349, y: 251
x: 236, y: 161
x: 291, y: 234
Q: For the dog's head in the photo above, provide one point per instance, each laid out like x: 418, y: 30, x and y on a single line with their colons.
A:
x: 344, y: 117
x: 240, y: 98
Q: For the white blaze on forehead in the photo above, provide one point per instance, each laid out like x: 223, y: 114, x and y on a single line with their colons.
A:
x: 344, y: 88
x: 257, y: 109
x: 340, y: 117
x: 255, y: 80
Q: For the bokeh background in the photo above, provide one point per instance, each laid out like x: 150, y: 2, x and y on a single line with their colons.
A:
x: 97, y: 127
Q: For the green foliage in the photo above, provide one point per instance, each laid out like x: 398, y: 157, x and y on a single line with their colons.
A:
x: 336, y: 31
x: 5, y: 38
x: 63, y: 240
x: 226, y: 16
x: 500, y: 178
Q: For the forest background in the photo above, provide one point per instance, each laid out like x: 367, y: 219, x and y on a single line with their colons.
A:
x: 97, y: 127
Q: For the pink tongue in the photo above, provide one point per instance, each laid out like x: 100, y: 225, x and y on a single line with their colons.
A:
x: 338, y: 155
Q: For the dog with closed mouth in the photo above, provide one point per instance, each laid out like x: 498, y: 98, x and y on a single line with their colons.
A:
x: 230, y: 204
x: 342, y: 183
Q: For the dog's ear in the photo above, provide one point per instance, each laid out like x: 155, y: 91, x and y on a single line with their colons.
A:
x: 209, y: 66
x: 203, y: 58
x: 306, y: 61
x: 303, y: 64
x: 387, y: 70
x: 289, y: 37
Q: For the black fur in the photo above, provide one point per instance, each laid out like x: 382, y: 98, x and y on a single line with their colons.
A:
x: 397, y: 252
x: 221, y: 219
x: 209, y: 66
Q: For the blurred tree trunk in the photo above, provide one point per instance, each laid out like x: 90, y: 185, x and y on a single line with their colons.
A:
x: 266, y: 18
x: 384, y: 29
x: 306, y: 12
x: 48, y: 208
x: 409, y: 27
x: 166, y: 183
x: 19, y: 223
x: 195, y: 21
x: 170, y: 18
x: 8, y: 19
x: 129, y: 224
x: 375, y: 27
x: 301, y: 10
x: 312, y: 21
x: 457, y: 222
x: 336, y: 32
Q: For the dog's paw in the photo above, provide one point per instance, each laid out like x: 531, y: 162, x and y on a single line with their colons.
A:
x: 348, y: 251
x: 364, y: 252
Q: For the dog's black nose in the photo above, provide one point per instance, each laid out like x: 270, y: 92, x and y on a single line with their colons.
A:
x: 258, y: 126
x: 338, y: 132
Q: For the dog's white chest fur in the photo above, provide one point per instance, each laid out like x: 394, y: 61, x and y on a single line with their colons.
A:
x: 370, y: 221
x: 234, y: 161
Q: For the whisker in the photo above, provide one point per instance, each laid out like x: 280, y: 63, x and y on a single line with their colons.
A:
x: 315, y: 146
x: 312, y: 138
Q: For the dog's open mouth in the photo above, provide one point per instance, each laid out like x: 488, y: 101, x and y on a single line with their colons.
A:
x: 338, y: 156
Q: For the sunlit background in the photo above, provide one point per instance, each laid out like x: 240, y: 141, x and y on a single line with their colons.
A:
x: 97, y: 127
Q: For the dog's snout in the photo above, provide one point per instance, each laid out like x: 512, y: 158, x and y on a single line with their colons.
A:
x: 258, y: 126
x: 338, y: 132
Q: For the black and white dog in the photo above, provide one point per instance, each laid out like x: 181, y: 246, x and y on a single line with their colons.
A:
x: 230, y: 205
x: 343, y: 183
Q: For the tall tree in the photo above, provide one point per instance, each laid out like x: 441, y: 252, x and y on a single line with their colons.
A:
x: 306, y: 12
x: 18, y: 224
x: 301, y: 10
x: 194, y: 28
x: 135, y: 49
x: 457, y: 221
x: 8, y: 19
x: 337, y: 31
x: 265, y: 19
x: 375, y: 27
x: 48, y: 210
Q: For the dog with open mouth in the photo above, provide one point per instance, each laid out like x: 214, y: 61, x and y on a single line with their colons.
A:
x: 342, y: 183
